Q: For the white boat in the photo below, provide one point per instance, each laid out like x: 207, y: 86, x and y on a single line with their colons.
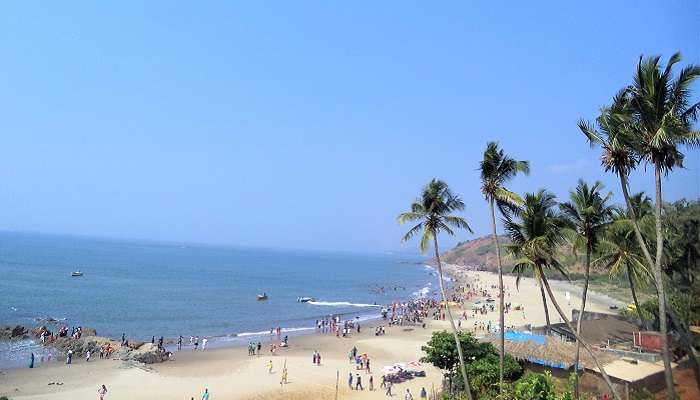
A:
x: 305, y: 299
x: 262, y: 296
x: 76, y: 273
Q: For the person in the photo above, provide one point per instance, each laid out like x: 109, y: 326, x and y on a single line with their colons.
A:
x: 87, y: 356
x: 204, y: 343
x: 102, y: 392
x: 383, y: 383
x: 259, y: 347
x: 371, y: 383
x: 408, y: 395
x: 31, y: 361
x: 423, y: 393
x: 318, y: 359
x: 269, y: 367
x: 179, y: 343
x: 123, y: 338
x: 388, y: 389
x: 367, y: 366
x: 153, y: 340
x: 284, y: 376
x: 205, y: 396
x: 350, y: 380
x: 358, y: 385
x: 69, y: 356
x: 196, y: 343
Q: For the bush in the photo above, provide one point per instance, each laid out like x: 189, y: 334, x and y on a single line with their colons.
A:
x: 535, y: 387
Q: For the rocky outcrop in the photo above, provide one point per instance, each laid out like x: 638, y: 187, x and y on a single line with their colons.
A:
x: 13, y: 332
x: 149, y: 353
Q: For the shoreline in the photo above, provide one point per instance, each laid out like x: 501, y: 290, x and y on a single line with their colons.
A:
x: 365, y: 315
x: 230, y: 373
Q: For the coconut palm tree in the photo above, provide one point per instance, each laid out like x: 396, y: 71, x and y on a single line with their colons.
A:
x: 588, y: 213
x: 619, y: 253
x: 496, y: 169
x: 536, y: 233
x: 663, y: 122
x: 434, y: 213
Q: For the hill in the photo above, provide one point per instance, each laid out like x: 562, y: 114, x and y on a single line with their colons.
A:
x: 480, y: 254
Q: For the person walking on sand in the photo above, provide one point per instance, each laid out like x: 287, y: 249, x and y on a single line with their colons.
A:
x: 259, y: 347
x: 371, y: 383
x: 269, y: 367
x: 408, y: 395
x: 350, y: 381
x: 358, y: 385
x: 284, y: 376
x: 87, y: 356
x: 196, y: 342
x: 388, y: 389
x: 102, y: 392
x: 204, y: 343
x: 382, y: 385
x: 423, y: 393
x: 205, y: 395
x: 69, y: 357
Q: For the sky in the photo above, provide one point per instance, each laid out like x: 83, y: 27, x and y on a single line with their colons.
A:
x: 304, y: 124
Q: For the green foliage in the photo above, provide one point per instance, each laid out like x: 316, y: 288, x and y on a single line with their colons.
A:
x: 483, y: 373
x: 4, y: 398
x: 535, y: 387
x: 641, y: 394
x: 441, y: 350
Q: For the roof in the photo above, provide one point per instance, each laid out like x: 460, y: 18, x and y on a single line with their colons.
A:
x: 632, y: 372
x: 600, y: 331
x: 546, y: 350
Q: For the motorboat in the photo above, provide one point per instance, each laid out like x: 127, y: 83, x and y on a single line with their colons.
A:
x: 262, y: 296
x: 305, y: 299
x: 76, y: 273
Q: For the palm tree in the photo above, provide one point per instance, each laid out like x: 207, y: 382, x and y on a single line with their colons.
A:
x: 588, y: 214
x: 535, y: 236
x: 619, y: 253
x: 663, y: 121
x: 496, y: 169
x: 434, y: 211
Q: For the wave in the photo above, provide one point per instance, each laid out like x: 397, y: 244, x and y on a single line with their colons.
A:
x: 284, y: 330
x: 424, y: 292
x: 341, y: 304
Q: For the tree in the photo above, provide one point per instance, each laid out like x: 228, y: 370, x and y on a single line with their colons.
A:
x: 496, y: 169
x: 483, y: 371
x: 619, y: 253
x: 663, y: 121
x: 535, y: 387
x: 588, y: 213
x: 434, y: 211
x: 535, y: 236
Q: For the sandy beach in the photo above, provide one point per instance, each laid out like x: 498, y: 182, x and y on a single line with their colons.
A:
x: 229, y: 373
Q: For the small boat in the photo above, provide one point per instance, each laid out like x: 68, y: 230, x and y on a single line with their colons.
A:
x: 76, y: 273
x: 305, y: 299
x: 262, y: 296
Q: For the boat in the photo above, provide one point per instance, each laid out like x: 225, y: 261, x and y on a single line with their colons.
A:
x: 305, y: 299
x: 262, y: 296
x: 76, y: 273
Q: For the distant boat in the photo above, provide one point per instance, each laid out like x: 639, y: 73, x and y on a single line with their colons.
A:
x: 262, y: 296
x: 76, y: 273
x: 305, y: 299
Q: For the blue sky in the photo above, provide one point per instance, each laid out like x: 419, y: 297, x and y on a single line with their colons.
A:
x: 304, y: 124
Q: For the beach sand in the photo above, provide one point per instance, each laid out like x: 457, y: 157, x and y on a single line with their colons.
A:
x: 230, y: 373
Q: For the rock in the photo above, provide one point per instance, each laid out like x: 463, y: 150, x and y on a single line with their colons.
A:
x: 135, y: 345
x: 13, y: 332
x: 149, y: 353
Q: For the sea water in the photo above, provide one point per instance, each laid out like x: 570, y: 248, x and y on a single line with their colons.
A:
x: 145, y: 289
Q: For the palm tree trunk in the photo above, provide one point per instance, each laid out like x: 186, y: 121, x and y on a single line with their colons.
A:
x: 660, y: 288
x: 580, y: 317
x: 656, y: 269
x: 501, y: 297
x: 645, y: 324
x: 546, y: 310
x: 585, y: 345
x: 462, y: 366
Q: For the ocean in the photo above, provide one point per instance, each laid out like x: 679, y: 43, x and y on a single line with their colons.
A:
x: 145, y: 288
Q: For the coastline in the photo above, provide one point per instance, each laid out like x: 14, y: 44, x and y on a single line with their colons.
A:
x: 230, y: 373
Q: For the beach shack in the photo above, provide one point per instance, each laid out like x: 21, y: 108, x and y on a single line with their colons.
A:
x: 539, y: 353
